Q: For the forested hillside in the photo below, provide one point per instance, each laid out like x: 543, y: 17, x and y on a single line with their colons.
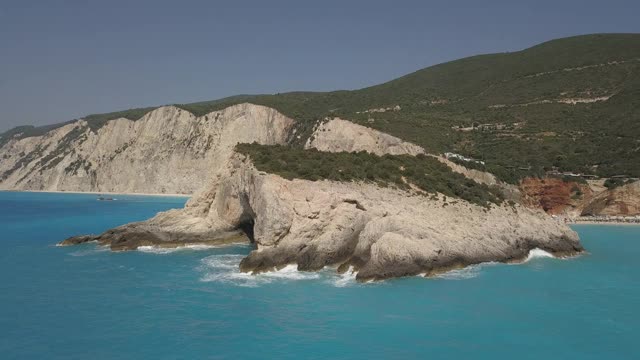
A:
x: 571, y: 104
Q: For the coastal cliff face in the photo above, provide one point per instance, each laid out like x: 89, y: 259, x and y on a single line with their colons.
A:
x: 623, y: 200
x: 168, y: 150
x: 380, y: 232
x: 556, y: 196
x: 340, y: 135
x: 575, y: 199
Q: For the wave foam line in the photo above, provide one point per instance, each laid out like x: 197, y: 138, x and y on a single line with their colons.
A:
x: 92, y: 251
x: 346, y: 279
x: 538, y: 254
x: 225, y: 269
x: 468, y: 272
x: 162, y: 250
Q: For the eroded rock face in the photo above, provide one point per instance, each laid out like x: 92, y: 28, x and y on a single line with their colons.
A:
x: 554, y: 195
x: 340, y: 135
x: 623, y: 200
x: 169, y: 150
x: 573, y: 199
x: 481, y: 177
x: 381, y: 232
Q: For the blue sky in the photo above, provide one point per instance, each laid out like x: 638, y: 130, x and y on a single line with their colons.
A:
x: 61, y: 60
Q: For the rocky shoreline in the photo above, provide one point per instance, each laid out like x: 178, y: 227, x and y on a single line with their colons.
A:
x: 128, y: 237
x: 380, y: 232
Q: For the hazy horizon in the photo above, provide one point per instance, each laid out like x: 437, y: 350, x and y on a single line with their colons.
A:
x: 62, y: 63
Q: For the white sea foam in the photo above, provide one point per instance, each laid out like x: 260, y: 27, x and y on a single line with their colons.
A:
x: 163, y: 251
x: 537, y: 254
x: 91, y: 251
x: 225, y: 261
x: 225, y: 269
x: 469, y: 272
x: 290, y: 272
x: 348, y: 278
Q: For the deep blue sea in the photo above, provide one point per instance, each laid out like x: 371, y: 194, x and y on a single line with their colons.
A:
x: 85, y: 302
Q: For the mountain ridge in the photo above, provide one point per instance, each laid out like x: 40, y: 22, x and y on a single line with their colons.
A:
x: 497, y: 108
x: 132, y: 113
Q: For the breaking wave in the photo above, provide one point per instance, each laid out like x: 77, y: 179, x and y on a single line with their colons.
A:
x: 468, y: 272
x: 91, y: 251
x: 225, y: 269
x: 348, y: 278
x: 537, y: 254
x: 162, y: 251
x: 474, y: 271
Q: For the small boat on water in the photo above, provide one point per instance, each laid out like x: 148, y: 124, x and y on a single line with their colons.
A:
x: 102, y: 198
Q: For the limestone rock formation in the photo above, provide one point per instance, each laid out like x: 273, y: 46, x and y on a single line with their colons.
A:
x: 169, y: 150
x: 340, y: 135
x: 623, y: 200
x: 478, y: 176
x: 381, y: 232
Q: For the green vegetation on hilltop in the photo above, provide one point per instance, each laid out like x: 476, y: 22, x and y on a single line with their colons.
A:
x: 520, y: 103
x: 402, y: 171
x: 28, y: 131
x: 617, y: 182
x: 96, y: 121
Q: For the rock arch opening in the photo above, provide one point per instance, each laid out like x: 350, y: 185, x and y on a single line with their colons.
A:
x: 247, y: 227
x: 247, y: 219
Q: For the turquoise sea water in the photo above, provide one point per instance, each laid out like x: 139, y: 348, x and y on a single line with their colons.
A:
x: 85, y: 302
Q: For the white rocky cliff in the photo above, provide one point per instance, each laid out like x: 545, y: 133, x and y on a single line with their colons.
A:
x: 335, y: 135
x: 381, y: 232
x: 169, y: 150
x: 341, y: 135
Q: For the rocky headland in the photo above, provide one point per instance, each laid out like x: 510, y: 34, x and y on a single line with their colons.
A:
x: 381, y: 232
x: 378, y: 231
